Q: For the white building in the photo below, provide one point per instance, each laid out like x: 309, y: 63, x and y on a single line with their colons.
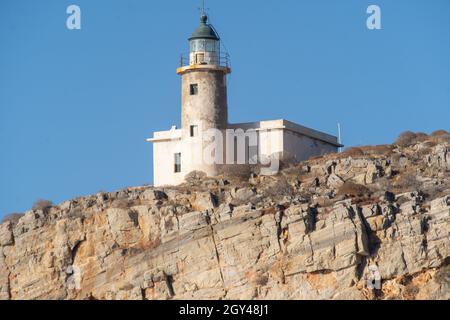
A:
x: 206, y: 141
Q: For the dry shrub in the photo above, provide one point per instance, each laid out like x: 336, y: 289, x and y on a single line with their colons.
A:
x: 292, y: 171
x: 238, y: 172
x: 379, y: 150
x: 443, y: 276
x: 353, y: 152
x: 288, y: 162
x: 430, y: 143
x: 261, y: 280
x: 12, y: 217
x: 407, y: 182
x: 353, y: 189
x: 421, y: 137
x: 439, y: 133
x: 279, y: 188
x: 409, y: 138
x: 121, y: 204
x: 424, y: 152
x: 410, y: 292
x: 195, y: 177
x: 325, y: 157
x: 43, y: 205
x: 405, y: 139
x: 168, y: 224
x: 440, y: 136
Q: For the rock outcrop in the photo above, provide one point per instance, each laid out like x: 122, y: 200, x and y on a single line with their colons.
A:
x: 312, y: 232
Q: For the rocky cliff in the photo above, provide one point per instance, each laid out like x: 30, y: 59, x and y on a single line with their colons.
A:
x: 318, y: 230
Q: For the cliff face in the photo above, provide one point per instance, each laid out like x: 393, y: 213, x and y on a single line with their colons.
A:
x: 312, y: 232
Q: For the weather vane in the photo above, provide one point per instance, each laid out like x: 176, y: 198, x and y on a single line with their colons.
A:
x: 203, y: 9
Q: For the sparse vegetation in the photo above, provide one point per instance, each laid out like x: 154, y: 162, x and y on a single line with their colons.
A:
x: 75, y: 213
x: 168, y: 224
x: 12, y: 217
x: 439, y: 133
x: 279, y: 188
x: 407, y: 182
x: 121, y: 204
x: 353, y: 203
x: 406, y: 139
x: 441, y: 136
x: 357, y: 152
x: 410, y: 292
x: 42, y: 204
x: 237, y: 172
x: 352, y: 152
x: 353, y: 189
x: 195, y: 177
x: 409, y: 138
x: 261, y: 280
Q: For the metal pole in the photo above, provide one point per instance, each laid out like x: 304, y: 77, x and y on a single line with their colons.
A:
x: 339, y: 137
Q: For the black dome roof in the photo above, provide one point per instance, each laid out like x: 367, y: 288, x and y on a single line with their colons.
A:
x: 204, y: 30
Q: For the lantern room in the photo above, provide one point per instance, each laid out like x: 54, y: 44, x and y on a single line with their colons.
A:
x: 204, y: 44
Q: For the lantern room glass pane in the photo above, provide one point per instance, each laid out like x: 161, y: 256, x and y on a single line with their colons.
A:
x: 210, y: 46
x: 204, y: 45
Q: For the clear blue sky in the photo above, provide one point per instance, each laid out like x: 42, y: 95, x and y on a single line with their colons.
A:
x: 77, y: 106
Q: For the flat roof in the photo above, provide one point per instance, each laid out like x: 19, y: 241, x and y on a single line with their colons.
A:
x: 281, y: 124
x: 169, y: 135
x: 288, y: 125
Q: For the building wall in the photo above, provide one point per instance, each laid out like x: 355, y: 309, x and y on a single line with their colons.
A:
x: 191, y: 150
x: 299, y: 147
x: 273, y: 139
x: 271, y: 142
x: 164, y: 163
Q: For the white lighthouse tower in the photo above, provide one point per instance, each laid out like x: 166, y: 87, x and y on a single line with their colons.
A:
x: 204, y: 108
x: 204, y: 82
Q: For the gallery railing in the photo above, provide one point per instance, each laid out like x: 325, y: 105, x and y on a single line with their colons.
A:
x: 222, y: 60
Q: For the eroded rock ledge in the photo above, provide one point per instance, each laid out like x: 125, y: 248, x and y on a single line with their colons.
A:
x: 309, y: 233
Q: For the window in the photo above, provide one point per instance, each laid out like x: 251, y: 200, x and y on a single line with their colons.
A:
x: 200, y: 58
x: 203, y: 45
x: 194, y: 89
x: 177, y: 162
x: 252, y: 154
x: 194, y: 131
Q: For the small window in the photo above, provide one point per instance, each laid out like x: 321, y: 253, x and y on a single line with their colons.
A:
x: 194, y: 131
x: 194, y: 89
x: 252, y: 154
x: 177, y: 162
x: 200, y: 58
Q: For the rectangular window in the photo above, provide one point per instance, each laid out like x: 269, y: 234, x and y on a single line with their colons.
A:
x: 194, y: 131
x: 177, y: 162
x: 252, y: 154
x: 200, y: 58
x: 194, y: 89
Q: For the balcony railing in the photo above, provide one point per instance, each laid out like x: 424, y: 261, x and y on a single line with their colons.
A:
x: 223, y: 60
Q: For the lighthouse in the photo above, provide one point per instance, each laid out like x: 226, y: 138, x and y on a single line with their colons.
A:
x: 204, y: 109
x: 204, y: 102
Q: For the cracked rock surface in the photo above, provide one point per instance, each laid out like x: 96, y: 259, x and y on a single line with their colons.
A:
x: 311, y: 232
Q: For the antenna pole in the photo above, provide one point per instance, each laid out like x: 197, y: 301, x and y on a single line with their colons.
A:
x: 339, y: 137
